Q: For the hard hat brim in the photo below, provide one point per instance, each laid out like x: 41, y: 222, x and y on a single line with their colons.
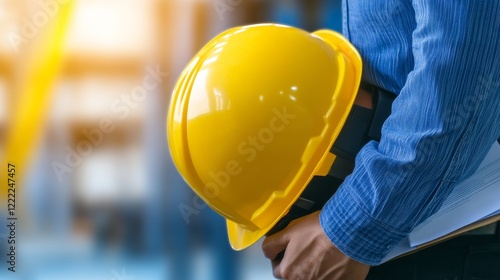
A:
x: 241, y: 238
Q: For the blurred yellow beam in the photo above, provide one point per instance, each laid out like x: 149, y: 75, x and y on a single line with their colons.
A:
x: 76, y: 66
x: 33, y: 99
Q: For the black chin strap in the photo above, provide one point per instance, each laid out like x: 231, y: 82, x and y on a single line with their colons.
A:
x: 362, y: 125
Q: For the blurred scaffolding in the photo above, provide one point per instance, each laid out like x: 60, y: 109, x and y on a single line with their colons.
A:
x: 100, y: 197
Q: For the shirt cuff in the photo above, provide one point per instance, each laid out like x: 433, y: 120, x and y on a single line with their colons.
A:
x: 354, y: 232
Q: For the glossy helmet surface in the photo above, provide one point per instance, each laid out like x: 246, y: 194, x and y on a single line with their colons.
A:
x: 253, y: 116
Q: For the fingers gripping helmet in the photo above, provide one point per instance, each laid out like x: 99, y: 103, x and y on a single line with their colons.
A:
x: 253, y: 116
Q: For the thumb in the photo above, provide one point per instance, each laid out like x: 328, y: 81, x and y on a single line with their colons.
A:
x: 275, y: 244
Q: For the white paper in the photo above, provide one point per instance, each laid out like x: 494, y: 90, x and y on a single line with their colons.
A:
x: 476, y: 198
x: 401, y: 248
x: 473, y: 199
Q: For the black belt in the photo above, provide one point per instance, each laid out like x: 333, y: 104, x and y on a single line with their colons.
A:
x: 362, y: 125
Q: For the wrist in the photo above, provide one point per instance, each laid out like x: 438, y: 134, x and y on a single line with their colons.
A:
x: 354, y: 232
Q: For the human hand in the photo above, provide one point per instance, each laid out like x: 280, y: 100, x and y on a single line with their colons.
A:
x: 309, y: 253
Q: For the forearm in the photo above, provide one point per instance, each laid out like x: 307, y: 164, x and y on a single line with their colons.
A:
x: 443, y: 123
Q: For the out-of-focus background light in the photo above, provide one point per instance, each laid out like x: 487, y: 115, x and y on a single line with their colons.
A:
x: 99, y: 197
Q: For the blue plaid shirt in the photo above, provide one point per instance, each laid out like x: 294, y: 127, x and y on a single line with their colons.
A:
x: 442, y: 58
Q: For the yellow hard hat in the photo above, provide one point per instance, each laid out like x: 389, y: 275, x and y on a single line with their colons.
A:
x: 253, y: 116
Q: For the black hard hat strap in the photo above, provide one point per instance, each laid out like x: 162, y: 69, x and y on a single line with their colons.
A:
x: 382, y: 110
x: 352, y: 138
x: 361, y: 126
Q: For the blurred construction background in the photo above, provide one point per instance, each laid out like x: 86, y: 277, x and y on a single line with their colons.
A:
x: 98, y: 196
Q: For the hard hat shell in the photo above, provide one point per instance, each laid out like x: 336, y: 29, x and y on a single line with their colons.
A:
x: 253, y: 116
